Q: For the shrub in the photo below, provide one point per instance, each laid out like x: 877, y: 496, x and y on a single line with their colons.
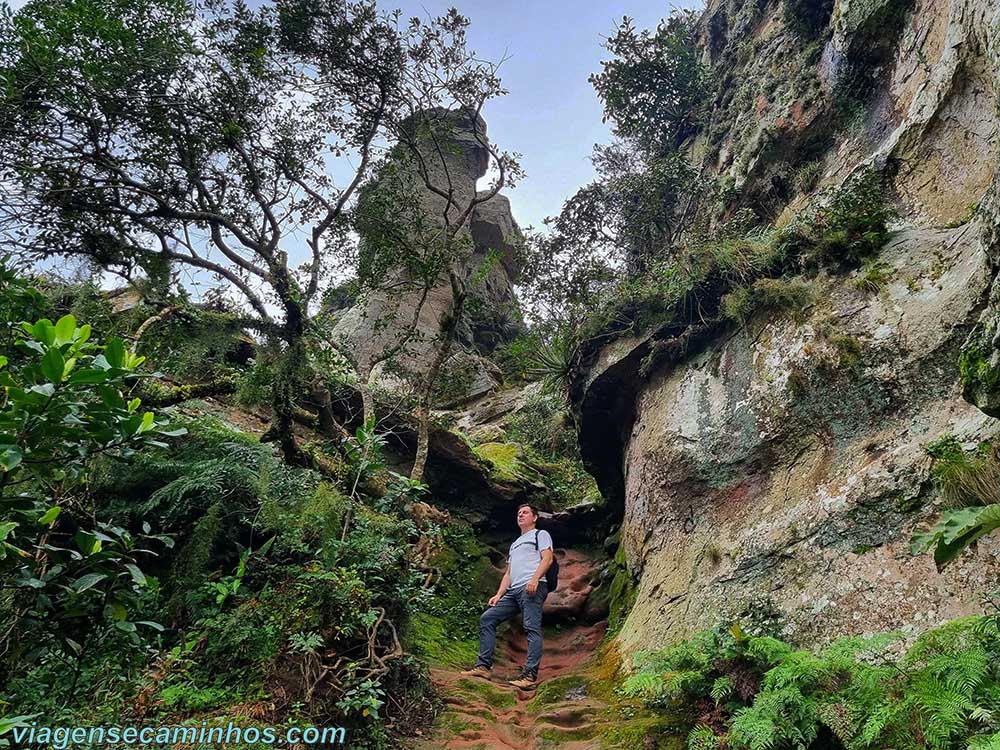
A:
x: 874, y: 277
x: 655, y: 87
x: 970, y: 479
x: 72, y: 579
x: 781, y: 295
x: 851, y: 228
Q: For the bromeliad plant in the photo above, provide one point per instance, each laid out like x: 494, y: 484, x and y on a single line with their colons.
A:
x: 65, y: 401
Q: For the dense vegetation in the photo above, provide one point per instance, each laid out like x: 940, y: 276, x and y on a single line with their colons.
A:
x: 748, y: 692
x: 186, y: 572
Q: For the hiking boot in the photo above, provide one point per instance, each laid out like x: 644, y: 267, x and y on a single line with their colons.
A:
x: 525, y: 681
x: 478, y: 671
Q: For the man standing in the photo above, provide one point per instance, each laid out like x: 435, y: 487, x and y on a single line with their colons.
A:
x: 523, y: 589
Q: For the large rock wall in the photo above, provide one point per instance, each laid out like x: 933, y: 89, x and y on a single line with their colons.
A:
x: 778, y: 469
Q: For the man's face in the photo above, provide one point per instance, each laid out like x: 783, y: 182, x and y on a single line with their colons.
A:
x: 525, y: 518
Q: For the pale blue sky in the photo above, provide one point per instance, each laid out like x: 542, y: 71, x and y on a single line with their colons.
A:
x: 551, y: 115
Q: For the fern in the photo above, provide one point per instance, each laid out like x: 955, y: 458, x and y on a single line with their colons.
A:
x: 943, y: 711
x: 722, y: 688
x: 778, y: 718
x: 645, y: 685
x: 986, y: 742
x: 703, y: 737
x: 767, y: 650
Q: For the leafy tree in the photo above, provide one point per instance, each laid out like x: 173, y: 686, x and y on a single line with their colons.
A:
x: 65, y: 402
x: 655, y: 87
x: 647, y: 193
x: 150, y: 133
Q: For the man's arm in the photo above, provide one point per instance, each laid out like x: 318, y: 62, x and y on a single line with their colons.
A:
x: 504, y: 585
x: 543, y: 566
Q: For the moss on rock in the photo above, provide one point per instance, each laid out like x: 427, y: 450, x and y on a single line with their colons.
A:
x: 622, y: 594
x: 979, y: 368
x: 508, y: 462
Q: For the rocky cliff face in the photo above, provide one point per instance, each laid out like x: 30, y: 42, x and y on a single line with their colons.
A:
x: 777, y: 469
x: 453, y: 156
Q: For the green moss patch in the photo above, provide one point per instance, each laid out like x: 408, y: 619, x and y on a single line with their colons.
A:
x: 555, y: 690
x: 429, y: 636
x: 979, y: 368
x: 494, y: 696
x: 508, y: 463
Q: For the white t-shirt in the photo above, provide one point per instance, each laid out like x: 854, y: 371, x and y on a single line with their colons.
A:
x: 524, y: 558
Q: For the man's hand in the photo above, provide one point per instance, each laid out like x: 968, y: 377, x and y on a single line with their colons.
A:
x: 494, y: 599
x: 532, y: 587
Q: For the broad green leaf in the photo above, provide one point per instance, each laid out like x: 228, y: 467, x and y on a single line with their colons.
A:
x: 88, y: 581
x: 50, y: 515
x: 44, y: 331
x: 88, y: 375
x: 10, y: 457
x: 65, y: 328
x: 87, y: 543
x: 154, y: 625
x: 137, y: 575
x: 53, y: 365
x: 117, y: 611
x: 44, y: 391
x: 173, y: 433
x: 115, y: 352
x: 83, y: 334
x: 6, y: 528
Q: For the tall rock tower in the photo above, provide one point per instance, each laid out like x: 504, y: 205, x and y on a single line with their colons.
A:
x: 421, y: 197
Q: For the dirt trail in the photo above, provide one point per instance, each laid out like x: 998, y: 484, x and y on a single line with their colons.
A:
x: 482, y: 715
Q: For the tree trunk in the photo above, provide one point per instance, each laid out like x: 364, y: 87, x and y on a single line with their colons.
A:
x: 449, y: 328
x: 367, y: 398
x: 290, y: 382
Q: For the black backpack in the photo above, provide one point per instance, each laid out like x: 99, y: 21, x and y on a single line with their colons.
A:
x: 552, y: 574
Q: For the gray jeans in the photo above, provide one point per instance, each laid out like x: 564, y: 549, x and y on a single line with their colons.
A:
x: 512, y: 602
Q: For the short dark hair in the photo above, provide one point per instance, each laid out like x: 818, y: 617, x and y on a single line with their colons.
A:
x: 534, y: 510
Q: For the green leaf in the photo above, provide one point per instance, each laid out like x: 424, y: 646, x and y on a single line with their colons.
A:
x: 10, y: 457
x: 117, y: 611
x: 83, y: 334
x: 88, y: 581
x: 6, y: 528
x: 137, y: 575
x: 50, y: 515
x: 87, y: 543
x: 115, y: 352
x: 44, y: 331
x: 65, y: 328
x: 150, y: 624
x: 53, y: 365
x: 88, y: 376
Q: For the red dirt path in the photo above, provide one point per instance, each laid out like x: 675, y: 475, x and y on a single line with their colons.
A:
x: 482, y: 717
